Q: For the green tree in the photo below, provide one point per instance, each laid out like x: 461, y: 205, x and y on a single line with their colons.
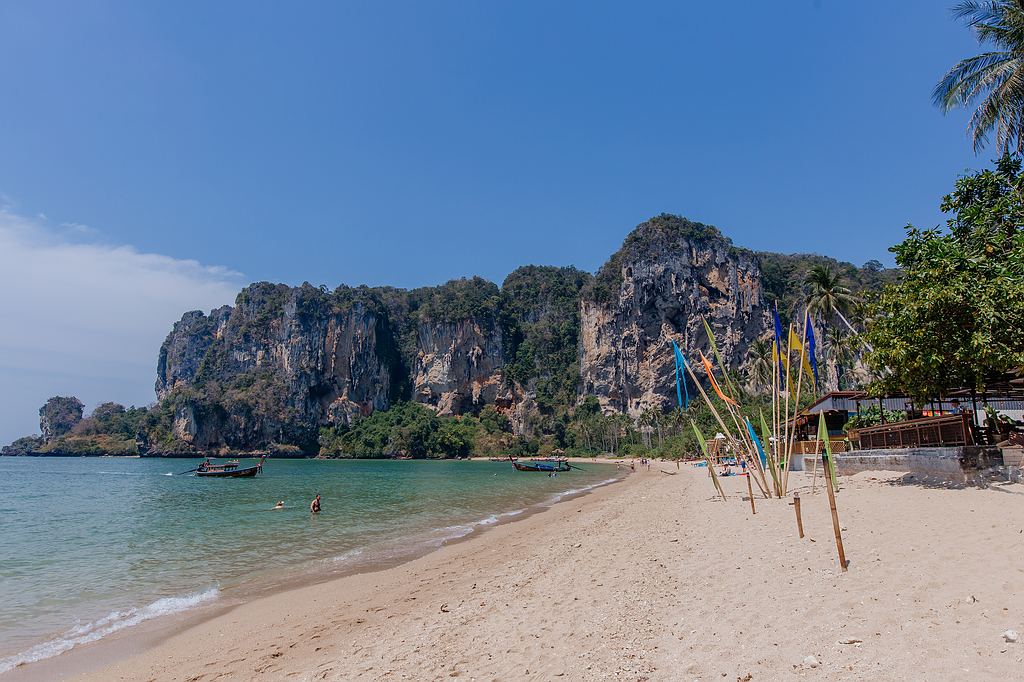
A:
x: 841, y: 354
x: 760, y: 365
x: 828, y: 295
x: 957, y: 317
x: 59, y: 415
x: 991, y: 79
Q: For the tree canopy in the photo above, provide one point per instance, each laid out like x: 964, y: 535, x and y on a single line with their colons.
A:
x: 956, y: 319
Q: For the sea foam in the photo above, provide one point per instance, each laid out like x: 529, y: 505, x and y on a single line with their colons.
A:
x: 109, y: 624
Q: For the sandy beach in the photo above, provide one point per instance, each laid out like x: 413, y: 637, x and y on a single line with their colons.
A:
x: 655, y: 579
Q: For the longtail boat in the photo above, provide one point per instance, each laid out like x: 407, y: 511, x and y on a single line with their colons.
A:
x: 545, y: 465
x: 229, y: 470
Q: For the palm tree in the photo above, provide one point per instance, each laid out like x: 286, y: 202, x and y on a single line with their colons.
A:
x: 826, y: 294
x: 759, y: 364
x: 839, y: 353
x: 993, y: 79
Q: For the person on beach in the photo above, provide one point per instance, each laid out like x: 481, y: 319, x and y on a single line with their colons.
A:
x: 314, y: 506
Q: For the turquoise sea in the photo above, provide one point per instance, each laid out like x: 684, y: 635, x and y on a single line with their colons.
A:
x: 91, y: 546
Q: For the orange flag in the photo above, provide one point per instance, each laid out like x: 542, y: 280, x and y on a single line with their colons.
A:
x: 714, y: 384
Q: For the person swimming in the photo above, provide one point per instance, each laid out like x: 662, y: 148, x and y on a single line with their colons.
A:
x: 279, y: 505
x: 314, y: 506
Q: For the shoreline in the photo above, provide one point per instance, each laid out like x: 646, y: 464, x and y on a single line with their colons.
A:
x: 88, y: 657
x: 657, y: 578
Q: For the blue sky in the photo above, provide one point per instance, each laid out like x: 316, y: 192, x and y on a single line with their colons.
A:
x: 408, y: 143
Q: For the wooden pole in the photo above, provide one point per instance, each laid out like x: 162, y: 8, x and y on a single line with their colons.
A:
x: 751, y: 449
x: 814, y: 477
x: 796, y: 407
x: 799, y: 520
x: 776, y: 381
x: 750, y: 493
x: 718, y: 417
x: 835, y: 514
x: 784, y: 460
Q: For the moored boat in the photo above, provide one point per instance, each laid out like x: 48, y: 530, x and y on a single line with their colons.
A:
x: 228, y: 470
x: 547, y: 465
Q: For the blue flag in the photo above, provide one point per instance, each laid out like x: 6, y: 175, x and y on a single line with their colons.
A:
x: 681, y: 378
x: 757, y: 443
x: 778, y: 343
x: 811, y: 346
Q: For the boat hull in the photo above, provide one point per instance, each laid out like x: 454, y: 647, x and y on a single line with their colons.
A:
x: 542, y: 466
x: 247, y: 472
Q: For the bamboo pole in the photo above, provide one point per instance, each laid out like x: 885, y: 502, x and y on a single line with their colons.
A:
x: 772, y: 468
x: 708, y: 459
x: 784, y: 461
x: 756, y: 459
x: 835, y: 515
x: 776, y: 380
x: 750, y: 494
x: 751, y: 449
x: 718, y: 417
x: 796, y: 406
x: 799, y: 519
x: 814, y: 478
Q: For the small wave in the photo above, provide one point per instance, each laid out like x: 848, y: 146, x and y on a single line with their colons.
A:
x: 463, y: 529
x: 576, y: 491
x: 109, y: 624
x: 346, y: 557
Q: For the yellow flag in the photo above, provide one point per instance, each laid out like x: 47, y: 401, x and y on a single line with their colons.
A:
x: 797, y: 347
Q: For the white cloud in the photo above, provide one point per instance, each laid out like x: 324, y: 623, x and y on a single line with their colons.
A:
x: 86, y: 318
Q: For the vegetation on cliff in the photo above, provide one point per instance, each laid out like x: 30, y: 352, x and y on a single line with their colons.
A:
x: 309, y: 370
x: 541, y: 316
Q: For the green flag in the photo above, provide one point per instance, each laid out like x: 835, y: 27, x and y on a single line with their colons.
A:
x: 733, y: 393
x: 707, y: 458
x: 826, y: 455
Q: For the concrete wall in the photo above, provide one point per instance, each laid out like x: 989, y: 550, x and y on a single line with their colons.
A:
x: 960, y: 465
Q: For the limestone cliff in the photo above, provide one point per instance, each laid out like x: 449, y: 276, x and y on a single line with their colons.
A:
x: 669, y: 274
x: 285, y: 361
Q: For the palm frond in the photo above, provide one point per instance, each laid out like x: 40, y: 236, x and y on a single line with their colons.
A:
x: 993, y: 79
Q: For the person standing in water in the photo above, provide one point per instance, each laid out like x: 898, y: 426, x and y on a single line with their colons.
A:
x: 314, y: 506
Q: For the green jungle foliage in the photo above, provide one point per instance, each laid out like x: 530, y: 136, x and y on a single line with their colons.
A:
x: 541, y: 328
x: 60, y: 414
x: 871, y: 417
x: 956, y: 319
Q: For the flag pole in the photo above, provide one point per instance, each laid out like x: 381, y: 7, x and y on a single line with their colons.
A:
x: 796, y: 406
x: 710, y: 405
x: 785, y: 413
x: 776, y: 380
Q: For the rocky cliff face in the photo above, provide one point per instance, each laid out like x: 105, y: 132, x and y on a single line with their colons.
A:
x: 457, y: 368
x: 669, y: 274
x: 284, y: 361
